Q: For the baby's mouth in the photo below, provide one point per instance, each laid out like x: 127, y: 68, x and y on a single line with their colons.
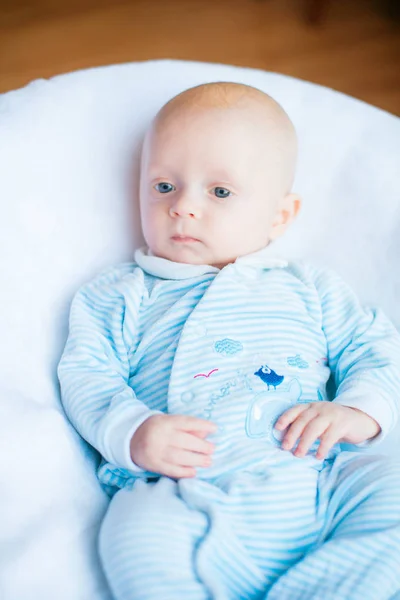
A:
x: 184, y: 239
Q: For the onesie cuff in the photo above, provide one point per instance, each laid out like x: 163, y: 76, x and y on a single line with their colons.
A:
x: 374, y: 405
x: 120, y: 439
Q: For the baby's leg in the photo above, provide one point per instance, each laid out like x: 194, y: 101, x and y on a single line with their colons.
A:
x: 358, y: 553
x: 146, y: 544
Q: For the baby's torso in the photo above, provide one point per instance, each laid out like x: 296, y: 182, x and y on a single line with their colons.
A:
x: 238, y: 349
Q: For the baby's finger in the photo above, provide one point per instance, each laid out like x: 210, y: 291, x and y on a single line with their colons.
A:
x: 311, y: 433
x: 185, y: 458
x: 199, y: 434
x: 187, y: 423
x: 189, y: 441
x: 289, y: 416
x: 328, y: 439
x: 178, y: 472
x: 297, y: 427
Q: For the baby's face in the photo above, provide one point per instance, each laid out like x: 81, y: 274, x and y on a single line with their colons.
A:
x: 211, y: 186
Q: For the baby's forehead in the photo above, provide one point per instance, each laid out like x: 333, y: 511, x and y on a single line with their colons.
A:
x: 219, y: 129
x: 222, y: 136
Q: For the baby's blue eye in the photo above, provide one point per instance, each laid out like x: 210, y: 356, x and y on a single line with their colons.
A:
x: 223, y: 191
x: 164, y: 187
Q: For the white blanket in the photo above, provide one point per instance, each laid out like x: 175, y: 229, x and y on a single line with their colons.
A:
x: 66, y: 147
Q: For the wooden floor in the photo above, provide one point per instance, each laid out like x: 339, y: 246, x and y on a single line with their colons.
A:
x: 356, y: 49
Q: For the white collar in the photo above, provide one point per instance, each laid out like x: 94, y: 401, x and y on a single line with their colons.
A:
x: 167, y: 269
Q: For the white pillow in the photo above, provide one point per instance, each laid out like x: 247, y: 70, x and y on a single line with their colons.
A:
x: 66, y: 148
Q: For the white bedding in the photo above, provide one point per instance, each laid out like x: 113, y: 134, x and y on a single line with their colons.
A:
x: 65, y: 151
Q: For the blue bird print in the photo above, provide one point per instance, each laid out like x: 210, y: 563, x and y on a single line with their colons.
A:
x: 269, y: 376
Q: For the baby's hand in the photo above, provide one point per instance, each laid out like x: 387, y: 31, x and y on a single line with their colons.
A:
x: 329, y: 422
x: 172, y: 445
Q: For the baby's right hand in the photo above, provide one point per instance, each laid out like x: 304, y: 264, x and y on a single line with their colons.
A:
x: 172, y: 445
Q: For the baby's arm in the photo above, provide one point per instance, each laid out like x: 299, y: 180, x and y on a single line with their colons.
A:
x: 94, y: 371
x: 363, y: 353
x: 364, y: 356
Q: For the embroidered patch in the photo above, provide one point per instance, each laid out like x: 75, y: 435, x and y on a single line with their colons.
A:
x: 269, y: 376
x: 232, y: 386
x: 267, y: 407
x: 297, y: 361
x: 228, y: 347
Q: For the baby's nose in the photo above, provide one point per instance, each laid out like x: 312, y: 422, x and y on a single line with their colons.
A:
x: 184, y: 207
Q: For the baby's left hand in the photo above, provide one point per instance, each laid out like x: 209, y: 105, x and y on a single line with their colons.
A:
x: 330, y: 422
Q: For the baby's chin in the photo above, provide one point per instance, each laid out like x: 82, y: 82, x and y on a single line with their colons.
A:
x: 192, y: 254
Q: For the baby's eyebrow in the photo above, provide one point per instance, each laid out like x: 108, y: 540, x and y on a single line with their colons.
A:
x: 225, y: 182
x: 166, y: 174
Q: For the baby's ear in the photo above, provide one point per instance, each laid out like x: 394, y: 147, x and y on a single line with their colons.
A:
x: 286, y: 213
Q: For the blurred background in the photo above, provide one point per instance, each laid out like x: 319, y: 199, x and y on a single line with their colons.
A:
x: 350, y: 45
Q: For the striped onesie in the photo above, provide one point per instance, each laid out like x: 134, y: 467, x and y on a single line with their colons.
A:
x: 238, y: 346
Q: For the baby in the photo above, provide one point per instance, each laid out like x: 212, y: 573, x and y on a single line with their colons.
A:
x: 200, y: 373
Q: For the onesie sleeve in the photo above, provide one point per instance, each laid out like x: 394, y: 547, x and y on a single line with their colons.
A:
x: 94, y: 368
x: 363, y: 353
